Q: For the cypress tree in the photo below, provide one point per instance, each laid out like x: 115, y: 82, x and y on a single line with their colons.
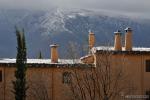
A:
x: 40, y: 55
x: 19, y: 85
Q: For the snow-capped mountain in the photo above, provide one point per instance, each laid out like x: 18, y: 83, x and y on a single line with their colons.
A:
x: 61, y: 26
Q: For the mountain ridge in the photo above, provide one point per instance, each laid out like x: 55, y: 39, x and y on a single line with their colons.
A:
x: 62, y: 26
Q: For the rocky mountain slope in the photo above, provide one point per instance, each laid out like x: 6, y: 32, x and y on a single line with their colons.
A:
x: 43, y: 28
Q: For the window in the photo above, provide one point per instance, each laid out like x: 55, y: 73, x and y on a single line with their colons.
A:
x: 0, y: 75
x: 67, y: 77
x: 147, y: 65
x: 148, y: 94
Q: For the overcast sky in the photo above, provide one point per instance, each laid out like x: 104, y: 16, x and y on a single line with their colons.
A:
x: 132, y: 7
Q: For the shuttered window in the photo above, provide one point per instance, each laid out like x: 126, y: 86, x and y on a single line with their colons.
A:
x: 66, y: 78
x: 148, y: 95
x: 147, y: 65
x: 1, y: 76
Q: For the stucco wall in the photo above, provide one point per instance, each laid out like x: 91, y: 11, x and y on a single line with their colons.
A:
x: 42, y: 82
x: 47, y: 81
x: 134, y: 67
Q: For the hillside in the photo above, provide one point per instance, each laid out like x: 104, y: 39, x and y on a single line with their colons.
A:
x: 43, y: 28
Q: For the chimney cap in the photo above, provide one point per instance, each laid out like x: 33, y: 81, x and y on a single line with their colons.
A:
x: 128, y: 29
x: 91, y: 32
x: 118, y: 32
x: 54, y: 45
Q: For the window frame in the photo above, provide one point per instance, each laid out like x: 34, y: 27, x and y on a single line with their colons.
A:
x: 66, y: 77
x: 1, y: 76
x: 147, y: 65
x: 147, y: 93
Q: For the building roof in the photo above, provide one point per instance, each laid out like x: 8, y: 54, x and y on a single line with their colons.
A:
x: 44, y: 63
x: 41, y: 61
x: 135, y: 50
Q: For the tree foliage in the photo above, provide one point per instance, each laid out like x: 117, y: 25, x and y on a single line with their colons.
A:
x: 40, y: 55
x: 19, y: 85
x: 105, y: 81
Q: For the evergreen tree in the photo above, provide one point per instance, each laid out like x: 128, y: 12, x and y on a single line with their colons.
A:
x: 19, y: 85
x: 40, y: 55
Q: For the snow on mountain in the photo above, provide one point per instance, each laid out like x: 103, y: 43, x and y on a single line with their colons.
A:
x: 53, y: 22
x: 61, y: 26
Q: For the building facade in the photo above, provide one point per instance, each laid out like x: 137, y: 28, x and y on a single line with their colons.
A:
x: 49, y: 79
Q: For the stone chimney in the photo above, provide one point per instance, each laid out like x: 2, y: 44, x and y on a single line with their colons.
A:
x: 128, y: 39
x: 91, y: 39
x: 118, y: 42
x: 54, y: 53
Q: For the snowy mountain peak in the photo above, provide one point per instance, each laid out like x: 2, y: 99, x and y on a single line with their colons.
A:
x: 64, y: 25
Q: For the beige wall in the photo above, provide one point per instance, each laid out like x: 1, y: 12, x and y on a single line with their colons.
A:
x: 87, y: 59
x: 41, y: 81
x: 44, y: 80
x: 134, y: 67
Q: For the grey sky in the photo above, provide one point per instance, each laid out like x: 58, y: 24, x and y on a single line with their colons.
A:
x: 137, y: 7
